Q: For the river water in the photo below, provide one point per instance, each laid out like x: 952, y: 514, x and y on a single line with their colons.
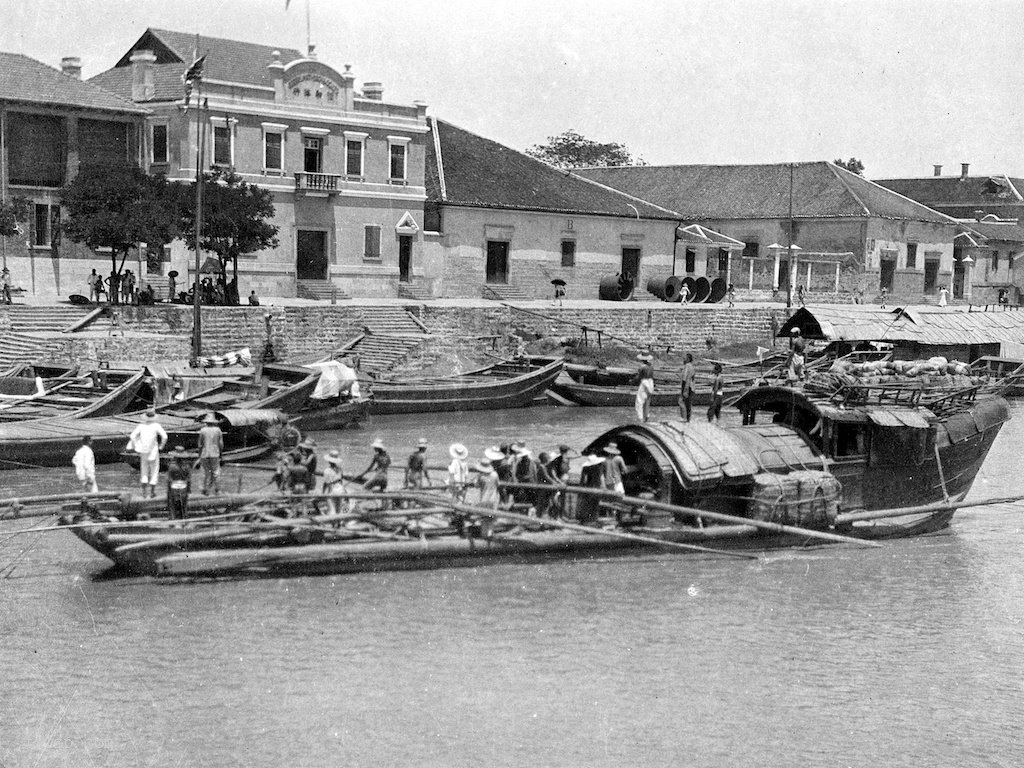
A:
x: 907, y: 655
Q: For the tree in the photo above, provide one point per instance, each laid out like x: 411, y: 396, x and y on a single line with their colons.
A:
x: 13, y: 213
x: 572, y: 150
x: 117, y: 206
x: 235, y: 219
x: 853, y: 165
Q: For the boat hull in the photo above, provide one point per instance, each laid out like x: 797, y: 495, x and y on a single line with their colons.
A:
x: 487, y: 392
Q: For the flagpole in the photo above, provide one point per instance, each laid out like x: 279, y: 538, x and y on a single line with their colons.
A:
x: 197, y: 344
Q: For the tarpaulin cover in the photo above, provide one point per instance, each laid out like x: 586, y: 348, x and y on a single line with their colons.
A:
x: 240, y: 357
x: 248, y: 417
x: 335, y: 379
x: 895, y: 417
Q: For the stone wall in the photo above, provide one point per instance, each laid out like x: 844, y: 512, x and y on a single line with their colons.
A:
x: 659, y: 326
x: 308, y: 332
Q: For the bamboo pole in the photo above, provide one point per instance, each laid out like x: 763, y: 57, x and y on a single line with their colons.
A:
x: 938, y: 506
x: 526, y: 519
x: 700, y: 513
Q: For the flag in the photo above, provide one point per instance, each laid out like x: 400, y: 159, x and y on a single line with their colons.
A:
x: 286, y: 4
x: 761, y: 352
x: 194, y: 72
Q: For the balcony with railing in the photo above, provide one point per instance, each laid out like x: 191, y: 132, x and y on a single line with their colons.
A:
x: 327, y: 183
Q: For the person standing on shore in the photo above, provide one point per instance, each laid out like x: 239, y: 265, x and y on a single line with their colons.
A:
x: 797, y: 348
x: 95, y: 283
x: 943, y: 294
x: 84, y: 462
x: 211, y: 450
x: 687, y: 377
x: 730, y: 294
x: 614, y: 468
x: 179, y: 483
x: 147, y: 440
x: 645, y: 387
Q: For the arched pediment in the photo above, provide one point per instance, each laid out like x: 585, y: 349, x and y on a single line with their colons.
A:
x: 312, y: 81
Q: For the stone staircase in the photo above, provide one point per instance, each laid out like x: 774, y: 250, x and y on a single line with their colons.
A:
x: 378, y: 354
x: 24, y: 348
x: 392, y: 321
x: 44, y: 319
x: 319, y: 290
x: 509, y: 292
x: 413, y: 291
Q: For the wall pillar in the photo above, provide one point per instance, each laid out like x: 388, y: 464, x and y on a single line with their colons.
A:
x: 750, y: 286
x: 775, y: 277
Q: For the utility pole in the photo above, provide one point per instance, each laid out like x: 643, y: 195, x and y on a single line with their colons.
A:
x: 789, y: 244
x: 197, y: 333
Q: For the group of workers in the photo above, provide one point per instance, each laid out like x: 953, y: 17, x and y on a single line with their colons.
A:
x: 147, y: 440
x: 687, y: 377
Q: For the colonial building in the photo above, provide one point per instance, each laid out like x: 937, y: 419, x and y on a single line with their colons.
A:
x: 345, y: 167
x: 49, y: 121
x: 850, y: 235
x: 992, y: 207
x: 500, y: 223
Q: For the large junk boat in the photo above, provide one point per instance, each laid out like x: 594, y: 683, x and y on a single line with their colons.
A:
x: 807, y: 465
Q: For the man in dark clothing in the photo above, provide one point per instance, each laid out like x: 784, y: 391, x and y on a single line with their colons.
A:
x: 416, y: 473
x: 378, y: 469
x: 179, y: 483
x: 298, y: 479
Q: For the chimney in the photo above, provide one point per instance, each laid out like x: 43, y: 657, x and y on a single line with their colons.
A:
x: 311, y: 51
x: 276, y: 71
x: 71, y: 66
x: 938, y: 169
x: 348, y: 81
x: 373, y: 91
x: 964, y: 168
x: 142, y: 75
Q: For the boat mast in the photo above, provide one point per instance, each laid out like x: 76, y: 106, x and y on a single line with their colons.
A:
x: 197, y: 344
x: 789, y: 244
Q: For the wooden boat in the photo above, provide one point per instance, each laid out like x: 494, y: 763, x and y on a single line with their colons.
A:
x: 51, y: 442
x: 337, y: 412
x: 807, y: 466
x: 998, y: 369
x: 666, y: 394
x: 508, y: 384
x: 44, y: 391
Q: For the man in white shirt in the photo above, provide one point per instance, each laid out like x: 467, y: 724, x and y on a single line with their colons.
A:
x: 84, y: 462
x: 147, y: 440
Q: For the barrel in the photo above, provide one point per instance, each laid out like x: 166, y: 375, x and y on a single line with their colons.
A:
x: 665, y: 288
x: 609, y: 289
x: 701, y: 290
x: 718, y: 290
x: 673, y: 287
x: 691, y: 287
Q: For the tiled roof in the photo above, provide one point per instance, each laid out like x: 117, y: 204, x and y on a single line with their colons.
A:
x: 708, y: 192
x: 974, y: 191
x: 229, y: 60
x: 1012, y: 232
x: 921, y: 325
x: 483, y: 173
x: 29, y: 81
x: 167, y: 84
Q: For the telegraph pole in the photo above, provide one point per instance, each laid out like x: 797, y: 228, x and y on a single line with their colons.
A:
x: 789, y: 244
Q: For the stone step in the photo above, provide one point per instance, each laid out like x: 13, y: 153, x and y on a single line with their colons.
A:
x: 319, y: 290
x: 508, y: 292
x: 391, y: 320
x: 413, y: 291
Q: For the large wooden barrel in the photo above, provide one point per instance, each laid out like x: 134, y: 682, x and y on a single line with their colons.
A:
x: 610, y: 289
x: 691, y: 287
x: 665, y: 288
x: 701, y: 290
x: 718, y: 289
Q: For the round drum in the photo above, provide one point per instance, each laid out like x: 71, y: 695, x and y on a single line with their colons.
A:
x: 701, y: 290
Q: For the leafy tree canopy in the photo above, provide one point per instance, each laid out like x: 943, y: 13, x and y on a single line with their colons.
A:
x: 853, y: 165
x: 236, y: 217
x: 117, y: 206
x: 13, y: 212
x: 573, y: 150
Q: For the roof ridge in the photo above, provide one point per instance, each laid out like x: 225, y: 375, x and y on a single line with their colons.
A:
x: 916, y: 203
x: 834, y: 168
x: 79, y: 81
x: 696, y: 165
x: 1012, y: 185
x: 215, y: 38
x: 620, y: 193
x: 440, y: 161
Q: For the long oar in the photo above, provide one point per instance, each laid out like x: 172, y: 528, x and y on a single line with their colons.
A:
x: 503, y: 514
x: 694, y: 512
x: 938, y: 506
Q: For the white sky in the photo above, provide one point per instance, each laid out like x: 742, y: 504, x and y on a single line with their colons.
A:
x: 900, y: 85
